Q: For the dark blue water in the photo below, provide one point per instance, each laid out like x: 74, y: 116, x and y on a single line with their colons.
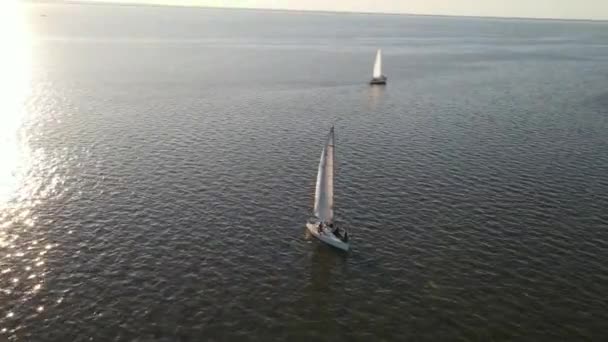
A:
x: 157, y: 170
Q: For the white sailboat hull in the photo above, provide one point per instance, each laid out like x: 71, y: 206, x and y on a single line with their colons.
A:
x: 326, y: 236
x: 378, y: 80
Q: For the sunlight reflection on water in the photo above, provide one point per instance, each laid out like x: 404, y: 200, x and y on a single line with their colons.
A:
x: 15, y: 87
x: 22, y: 257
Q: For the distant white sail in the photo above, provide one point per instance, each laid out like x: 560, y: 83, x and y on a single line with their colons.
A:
x: 324, y: 192
x: 378, y: 65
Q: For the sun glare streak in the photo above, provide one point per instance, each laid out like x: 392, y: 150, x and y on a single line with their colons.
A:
x: 15, y: 68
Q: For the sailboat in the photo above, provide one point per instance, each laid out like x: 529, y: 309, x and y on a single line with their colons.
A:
x: 377, y: 77
x: 322, y: 225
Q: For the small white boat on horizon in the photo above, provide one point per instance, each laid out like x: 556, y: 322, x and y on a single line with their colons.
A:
x: 377, y: 76
x: 322, y: 225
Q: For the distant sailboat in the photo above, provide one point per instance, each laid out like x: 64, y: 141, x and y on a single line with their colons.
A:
x: 322, y: 225
x: 377, y: 77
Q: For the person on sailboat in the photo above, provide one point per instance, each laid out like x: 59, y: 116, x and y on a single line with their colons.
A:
x: 320, y: 229
x: 335, y: 231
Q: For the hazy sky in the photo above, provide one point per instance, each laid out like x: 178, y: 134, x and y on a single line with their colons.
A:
x: 568, y: 9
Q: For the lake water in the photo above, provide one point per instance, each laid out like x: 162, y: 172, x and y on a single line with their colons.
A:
x: 157, y: 166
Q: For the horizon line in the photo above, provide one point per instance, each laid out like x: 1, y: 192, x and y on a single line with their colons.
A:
x: 133, y: 4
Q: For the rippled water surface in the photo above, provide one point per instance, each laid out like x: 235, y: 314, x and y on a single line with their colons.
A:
x: 157, y: 169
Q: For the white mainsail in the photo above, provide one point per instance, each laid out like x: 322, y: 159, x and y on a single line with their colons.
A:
x: 324, y: 192
x: 378, y: 65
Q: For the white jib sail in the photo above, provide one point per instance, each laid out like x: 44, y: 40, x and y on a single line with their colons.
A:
x: 324, y: 192
x: 378, y: 65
